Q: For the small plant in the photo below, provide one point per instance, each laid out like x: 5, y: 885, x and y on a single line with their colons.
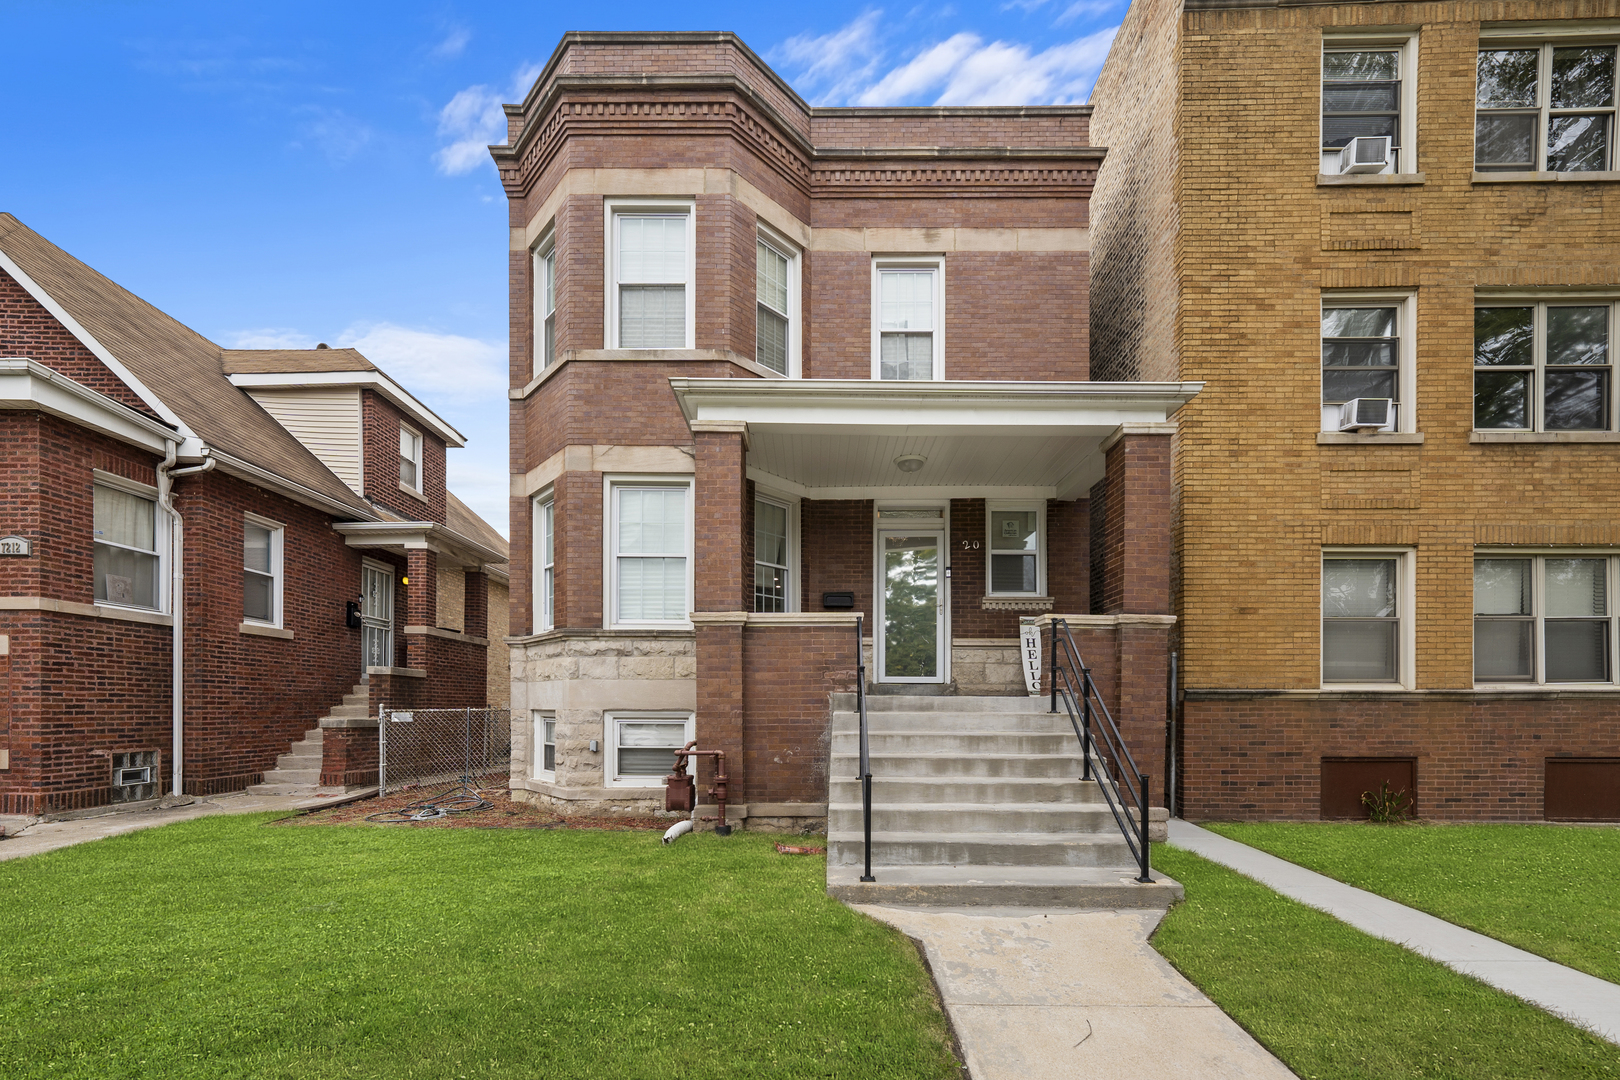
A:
x: 1388, y: 807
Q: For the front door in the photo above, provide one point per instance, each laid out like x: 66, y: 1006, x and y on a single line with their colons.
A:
x: 910, y: 647
x: 376, y: 616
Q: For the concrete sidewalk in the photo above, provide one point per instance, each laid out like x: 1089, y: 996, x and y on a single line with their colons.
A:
x: 1064, y: 995
x: 1575, y: 996
x: 30, y: 836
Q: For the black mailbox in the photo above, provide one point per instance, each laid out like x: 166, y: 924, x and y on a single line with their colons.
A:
x: 838, y: 601
x: 351, y: 615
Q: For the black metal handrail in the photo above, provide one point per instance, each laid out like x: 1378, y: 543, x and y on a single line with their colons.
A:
x: 865, y: 775
x: 1073, y: 685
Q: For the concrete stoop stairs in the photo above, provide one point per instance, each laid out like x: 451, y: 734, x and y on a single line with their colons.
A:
x: 298, y: 771
x: 976, y: 801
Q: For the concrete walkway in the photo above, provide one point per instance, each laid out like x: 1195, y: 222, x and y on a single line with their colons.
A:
x: 30, y: 836
x: 1054, y: 995
x: 1575, y: 996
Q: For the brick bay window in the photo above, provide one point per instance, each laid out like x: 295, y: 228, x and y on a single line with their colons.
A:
x: 128, y: 530
x: 261, y: 571
x: 649, y: 549
x: 545, y: 302
x: 1543, y: 366
x: 1367, y: 93
x: 545, y: 563
x: 774, y: 549
x: 640, y: 746
x: 1541, y: 107
x: 1366, y: 628
x: 908, y: 332
x: 651, y: 274
x: 1544, y: 618
x: 776, y: 294
x: 1366, y: 354
x: 410, y: 459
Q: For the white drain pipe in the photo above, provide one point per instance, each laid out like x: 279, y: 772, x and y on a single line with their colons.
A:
x: 166, y: 472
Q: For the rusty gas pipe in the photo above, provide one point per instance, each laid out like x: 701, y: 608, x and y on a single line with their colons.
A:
x: 680, y: 792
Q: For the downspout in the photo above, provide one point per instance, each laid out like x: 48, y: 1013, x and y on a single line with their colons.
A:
x: 166, y: 472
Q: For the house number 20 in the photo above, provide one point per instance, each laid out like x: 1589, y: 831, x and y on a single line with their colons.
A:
x: 970, y: 545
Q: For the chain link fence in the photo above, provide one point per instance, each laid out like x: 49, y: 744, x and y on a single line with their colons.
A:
x: 435, y: 748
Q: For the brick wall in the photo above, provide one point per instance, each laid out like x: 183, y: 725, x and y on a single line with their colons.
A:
x: 381, y: 420
x: 788, y: 671
x: 835, y: 537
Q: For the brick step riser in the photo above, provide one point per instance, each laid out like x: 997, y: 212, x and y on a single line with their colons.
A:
x: 900, y: 766
x: 1059, y: 791
x: 956, y: 852
x: 991, y: 821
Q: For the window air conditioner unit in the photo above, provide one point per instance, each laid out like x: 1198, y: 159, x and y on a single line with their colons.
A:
x: 1367, y: 154
x: 1366, y: 413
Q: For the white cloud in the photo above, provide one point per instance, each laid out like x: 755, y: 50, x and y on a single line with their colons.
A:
x: 1085, y: 9
x: 833, y: 67
x: 473, y: 121
x: 482, y: 481
x: 433, y: 364
x: 926, y: 70
x: 270, y: 337
x: 453, y: 44
x: 339, y: 135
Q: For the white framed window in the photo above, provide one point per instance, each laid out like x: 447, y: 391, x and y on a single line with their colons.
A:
x: 908, y: 318
x: 776, y: 318
x: 1368, y: 352
x: 262, y: 541
x: 1369, y: 88
x: 129, y: 544
x: 1543, y: 364
x: 1546, y: 618
x: 1368, y: 638
x: 410, y: 458
x: 649, y: 551
x: 1015, y: 536
x: 1545, y: 106
x: 544, y: 766
x: 545, y: 563
x: 545, y: 303
x: 652, y: 274
x: 641, y: 744
x: 776, y: 552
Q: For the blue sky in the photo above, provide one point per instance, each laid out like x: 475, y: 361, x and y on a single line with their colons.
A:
x: 282, y: 174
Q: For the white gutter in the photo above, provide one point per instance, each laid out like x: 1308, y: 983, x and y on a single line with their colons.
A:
x: 166, y: 472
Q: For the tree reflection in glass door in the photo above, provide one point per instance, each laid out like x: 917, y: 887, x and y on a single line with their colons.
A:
x: 911, y: 606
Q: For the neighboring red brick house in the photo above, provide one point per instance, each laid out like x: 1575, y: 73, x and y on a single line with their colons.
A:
x: 140, y: 463
x: 766, y: 356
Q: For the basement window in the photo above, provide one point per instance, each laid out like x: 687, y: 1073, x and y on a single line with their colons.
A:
x: 641, y: 745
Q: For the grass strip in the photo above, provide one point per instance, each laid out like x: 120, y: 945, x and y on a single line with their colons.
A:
x: 1549, y: 889
x: 217, y: 948
x: 1336, y: 1004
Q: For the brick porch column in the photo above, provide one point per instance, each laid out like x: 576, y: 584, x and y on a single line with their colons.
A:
x: 720, y: 605
x: 475, y: 605
x: 421, y: 602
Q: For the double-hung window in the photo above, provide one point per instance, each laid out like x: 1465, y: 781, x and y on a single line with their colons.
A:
x: 1544, y: 107
x: 545, y: 745
x: 545, y: 303
x: 545, y: 564
x: 1015, y: 550
x: 1543, y: 365
x: 261, y: 571
x: 650, y: 544
x: 776, y: 293
x: 1367, y: 91
x: 1367, y: 353
x: 410, y: 458
x: 640, y: 746
x: 1366, y: 626
x: 651, y: 273
x: 1544, y: 618
x: 908, y: 334
x: 773, y: 572
x: 126, y: 563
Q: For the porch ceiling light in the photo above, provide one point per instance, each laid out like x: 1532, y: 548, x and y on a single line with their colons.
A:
x: 909, y: 463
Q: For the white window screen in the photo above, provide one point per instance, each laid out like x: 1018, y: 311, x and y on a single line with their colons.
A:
x: 906, y: 324
x: 651, y: 554
x: 1360, y: 620
x: 258, y: 573
x: 548, y: 561
x: 771, y: 326
x: 125, y: 556
x: 770, y: 556
x: 651, y: 266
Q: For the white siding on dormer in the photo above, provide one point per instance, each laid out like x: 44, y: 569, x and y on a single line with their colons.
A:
x: 325, y: 420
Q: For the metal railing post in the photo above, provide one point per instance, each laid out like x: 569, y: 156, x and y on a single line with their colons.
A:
x: 1053, y: 665
x: 866, y: 754
x: 382, y: 750
x: 1085, y: 722
x: 1147, y: 877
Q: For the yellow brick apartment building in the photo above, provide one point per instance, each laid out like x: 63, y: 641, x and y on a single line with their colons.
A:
x: 1387, y: 237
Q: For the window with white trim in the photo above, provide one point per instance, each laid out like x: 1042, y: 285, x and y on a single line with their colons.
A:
x: 127, y: 563
x: 1016, y: 561
x: 261, y: 570
x: 776, y: 289
x: 652, y: 270
x: 641, y: 745
x: 545, y: 745
x: 1543, y: 365
x: 1542, y: 619
x: 1368, y: 89
x: 1545, y: 107
x: 410, y: 458
x: 1367, y: 352
x: 649, y: 552
x: 545, y: 303
x: 545, y: 563
x: 1366, y: 617
x: 908, y: 326
x: 773, y: 547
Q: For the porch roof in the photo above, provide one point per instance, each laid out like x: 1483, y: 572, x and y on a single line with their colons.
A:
x: 838, y: 438
x: 454, y: 549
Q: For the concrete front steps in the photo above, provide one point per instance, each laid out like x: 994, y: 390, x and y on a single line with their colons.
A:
x: 298, y: 771
x: 976, y: 801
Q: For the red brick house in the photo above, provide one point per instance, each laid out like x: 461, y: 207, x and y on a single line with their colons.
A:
x: 142, y: 464
x: 777, y: 367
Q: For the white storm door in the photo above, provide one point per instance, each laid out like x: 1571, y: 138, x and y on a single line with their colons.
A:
x: 376, y: 616
x: 911, y: 608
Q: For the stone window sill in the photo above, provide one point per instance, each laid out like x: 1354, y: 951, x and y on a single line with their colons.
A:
x: 1016, y: 603
x: 261, y: 630
x: 1370, y: 179
x: 1375, y: 438
x: 1543, y: 177
x: 1544, y: 437
x: 407, y: 489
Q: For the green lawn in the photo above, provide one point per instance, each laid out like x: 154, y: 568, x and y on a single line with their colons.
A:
x: 1549, y: 889
x: 1336, y: 1004
x: 223, y: 948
